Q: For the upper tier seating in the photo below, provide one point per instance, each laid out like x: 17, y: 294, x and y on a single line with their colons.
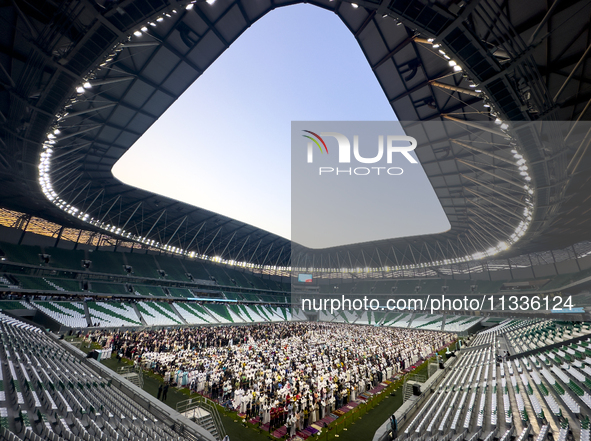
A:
x: 173, y: 268
x: 143, y: 265
x: 61, y: 258
x: 107, y: 262
x: 21, y: 253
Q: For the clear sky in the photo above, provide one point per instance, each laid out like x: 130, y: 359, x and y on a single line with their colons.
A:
x: 224, y: 145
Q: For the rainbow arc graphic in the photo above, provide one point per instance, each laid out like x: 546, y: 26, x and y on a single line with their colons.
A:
x: 315, y: 141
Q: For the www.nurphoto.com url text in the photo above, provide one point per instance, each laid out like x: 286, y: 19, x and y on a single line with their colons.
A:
x: 434, y: 303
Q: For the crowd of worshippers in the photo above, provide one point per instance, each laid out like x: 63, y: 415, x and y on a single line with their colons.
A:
x: 286, y: 373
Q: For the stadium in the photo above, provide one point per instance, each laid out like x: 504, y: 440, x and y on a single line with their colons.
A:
x: 125, y: 314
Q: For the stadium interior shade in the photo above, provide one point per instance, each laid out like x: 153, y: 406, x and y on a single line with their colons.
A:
x: 227, y: 330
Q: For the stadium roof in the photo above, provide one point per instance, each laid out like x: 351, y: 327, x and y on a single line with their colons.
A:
x: 82, y: 81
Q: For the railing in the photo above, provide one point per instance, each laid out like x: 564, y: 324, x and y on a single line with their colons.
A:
x: 407, y: 387
x: 209, y: 406
x: 125, y: 372
x: 433, y: 367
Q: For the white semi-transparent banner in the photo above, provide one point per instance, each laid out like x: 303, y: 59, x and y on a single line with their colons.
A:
x: 386, y: 216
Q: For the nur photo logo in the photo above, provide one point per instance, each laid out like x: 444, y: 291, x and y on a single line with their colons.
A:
x: 394, y: 144
x: 315, y: 142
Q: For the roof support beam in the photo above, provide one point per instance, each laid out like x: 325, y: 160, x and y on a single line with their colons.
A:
x: 392, y: 53
x: 493, y: 202
x: 484, y: 152
x: 492, y: 188
x: 466, y: 11
x: 110, y: 208
x: 543, y: 22
x: 474, y: 125
x: 79, y: 132
x: 212, y: 240
x: 572, y: 72
x: 500, y: 219
x: 266, y: 255
x: 365, y: 23
x: 509, y: 181
x: 281, y: 252
x: 195, y: 236
x: 492, y: 224
x: 175, y: 231
x: 255, y: 250
x: 486, y: 221
x: 90, y: 109
x: 456, y: 89
x: 132, y: 214
x: 227, y: 245
x: 154, y: 224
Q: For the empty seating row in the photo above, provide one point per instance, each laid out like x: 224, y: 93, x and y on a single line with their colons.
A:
x: 56, y: 396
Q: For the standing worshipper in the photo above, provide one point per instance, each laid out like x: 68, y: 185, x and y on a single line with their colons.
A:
x: 292, y: 420
x: 266, y: 413
x: 288, y: 426
x: 314, y: 413
x: 165, y: 392
x: 159, y: 392
x: 394, y: 426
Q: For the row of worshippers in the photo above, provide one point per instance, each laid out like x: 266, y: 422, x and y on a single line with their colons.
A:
x: 264, y: 369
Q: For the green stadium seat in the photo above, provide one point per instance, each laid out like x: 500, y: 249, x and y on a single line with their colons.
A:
x: 173, y: 267
x: 21, y: 253
x: 107, y: 262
